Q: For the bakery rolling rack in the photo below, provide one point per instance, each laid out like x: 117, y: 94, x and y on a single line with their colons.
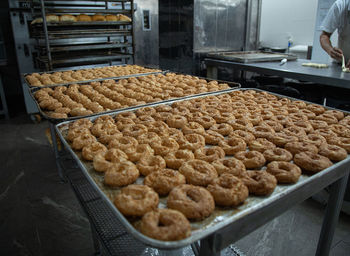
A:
x: 217, y: 240
x: 63, y: 44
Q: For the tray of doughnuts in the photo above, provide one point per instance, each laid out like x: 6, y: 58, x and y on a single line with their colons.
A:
x: 176, y: 172
x: 55, y: 78
x: 67, y: 102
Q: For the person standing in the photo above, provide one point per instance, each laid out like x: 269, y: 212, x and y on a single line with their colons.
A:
x: 338, y: 17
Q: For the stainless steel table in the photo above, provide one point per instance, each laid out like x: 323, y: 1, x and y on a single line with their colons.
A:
x: 332, y: 75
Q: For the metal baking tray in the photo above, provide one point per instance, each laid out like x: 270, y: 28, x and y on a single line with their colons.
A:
x: 58, y: 120
x: 251, y: 56
x: 88, y: 81
x: 85, y: 23
x: 225, y: 223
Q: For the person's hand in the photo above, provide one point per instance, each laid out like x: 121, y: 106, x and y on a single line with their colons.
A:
x: 348, y: 64
x: 336, y: 53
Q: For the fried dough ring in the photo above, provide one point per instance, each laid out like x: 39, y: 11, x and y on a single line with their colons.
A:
x: 228, y: 190
x: 136, y: 200
x: 176, y: 121
x: 83, y: 140
x: 198, y: 172
x: 149, y: 164
x: 333, y: 152
x: 209, y: 154
x: 300, y: 146
x: 121, y: 174
x: 229, y: 165
x: 175, y: 159
x: 284, y: 172
x: 103, y: 160
x: 92, y: 149
x: 165, y: 146
x: 311, y: 161
x: 193, y: 127
x: 261, y: 144
x: 251, y: 159
x: 245, y: 135
x: 233, y: 145
x: 280, y: 139
x: 212, y: 137
x: 223, y: 128
x: 277, y: 154
x: 259, y: 183
x: 164, y: 181
x: 193, y: 201
x: 140, y: 151
x: 125, y: 143
x: 192, y: 142
x: 165, y: 225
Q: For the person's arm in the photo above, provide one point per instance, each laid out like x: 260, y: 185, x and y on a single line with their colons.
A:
x: 325, y: 41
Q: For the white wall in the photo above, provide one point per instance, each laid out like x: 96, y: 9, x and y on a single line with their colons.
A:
x: 283, y: 18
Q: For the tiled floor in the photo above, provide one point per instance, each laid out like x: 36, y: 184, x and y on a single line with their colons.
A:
x: 39, y: 215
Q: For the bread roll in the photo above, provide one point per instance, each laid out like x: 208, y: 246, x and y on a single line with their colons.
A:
x: 83, y: 17
x: 123, y: 17
x: 37, y: 21
x: 111, y: 18
x: 52, y: 18
x: 68, y: 18
x: 98, y: 17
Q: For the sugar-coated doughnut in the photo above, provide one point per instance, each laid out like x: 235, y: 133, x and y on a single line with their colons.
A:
x: 164, y: 181
x: 198, y: 172
x: 193, y: 201
x: 121, y: 174
x: 228, y: 190
x: 277, y: 154
x: 229, y: 165
x: 311, y: 161
x: 251, y: 159
x: 149, y: 164
x: 165, y: 225
x: 136, y: 200
x: 285, y: 172
x: 259, y: 183
x: 175, y: 159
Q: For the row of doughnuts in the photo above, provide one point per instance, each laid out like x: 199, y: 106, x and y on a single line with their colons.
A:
x: 208, y: 151
x: 61, y: 77
x: 96, y: 97
x: 52, y: 18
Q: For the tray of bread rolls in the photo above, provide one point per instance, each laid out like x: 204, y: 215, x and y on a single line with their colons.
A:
x: 176, y: 172
x: 66, y: 77
x: 68, y: 102
x: 83, y: 20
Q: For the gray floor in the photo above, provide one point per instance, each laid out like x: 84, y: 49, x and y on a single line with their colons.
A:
x: 39, y: 215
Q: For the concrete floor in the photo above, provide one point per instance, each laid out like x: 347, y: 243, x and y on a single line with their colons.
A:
x: 39, y: 215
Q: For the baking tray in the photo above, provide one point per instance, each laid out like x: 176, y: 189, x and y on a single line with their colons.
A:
x: 233, y: 86
x: 224, y: 223
x: 86, y: 23
x: 91, y: 80
x: 251, y: 56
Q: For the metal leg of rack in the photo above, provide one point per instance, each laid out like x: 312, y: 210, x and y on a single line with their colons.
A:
x: 56, y: 151
x: 95, y: 240
x: 208, y: 245
x: 337, y: 190
x: 4, y: 110
x: 212, y: 72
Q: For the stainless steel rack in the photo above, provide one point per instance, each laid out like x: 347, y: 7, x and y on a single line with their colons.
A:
x: 63, y: 44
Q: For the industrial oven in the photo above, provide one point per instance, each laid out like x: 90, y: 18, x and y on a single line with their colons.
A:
x: 190, y: 29
x: 43, y: 45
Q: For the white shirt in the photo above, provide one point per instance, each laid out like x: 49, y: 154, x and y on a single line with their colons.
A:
x: 338, y: 17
